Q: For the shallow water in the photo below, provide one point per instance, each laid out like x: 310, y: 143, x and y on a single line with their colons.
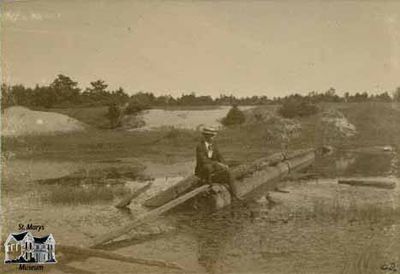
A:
x: 318, y: 227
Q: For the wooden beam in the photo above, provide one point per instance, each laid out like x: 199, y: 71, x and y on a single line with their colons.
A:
x: 127, y: 200
x: 141, y: 219
x: 369, y: 182
x: 173, y: 192
x: 302, y: 176
x: 89, y: 252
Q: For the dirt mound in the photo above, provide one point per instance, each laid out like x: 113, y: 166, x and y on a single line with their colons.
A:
x: 19, y: 121
x: 337, y: 124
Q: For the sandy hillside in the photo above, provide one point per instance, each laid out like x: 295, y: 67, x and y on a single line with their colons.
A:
x: 19, y: 121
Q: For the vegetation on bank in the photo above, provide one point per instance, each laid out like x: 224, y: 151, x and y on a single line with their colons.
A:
x: 301, y: 107
x: 63, y: 92
x: 376, y: 123
x: 376, y: 118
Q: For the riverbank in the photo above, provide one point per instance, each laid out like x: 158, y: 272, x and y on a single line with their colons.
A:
x: 239, y: 144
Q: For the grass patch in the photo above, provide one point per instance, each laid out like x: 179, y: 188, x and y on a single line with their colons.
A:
x: 116, y: 174
x: 99, y: 145
x: 377, y: 123
x: 338, y: 212
x: 92, y: 116
x: 83, y: 194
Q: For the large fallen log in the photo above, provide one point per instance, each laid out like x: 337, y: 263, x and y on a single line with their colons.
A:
x: 141, y: 219
x: 264, y: 179
x: 386, y: 183
x: 127, y: 200
x: 261, y: 181
x: 248, y: 169
x: 89, y: 252
x: 238, y: 173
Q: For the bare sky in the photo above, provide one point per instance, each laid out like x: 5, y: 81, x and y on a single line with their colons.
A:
x: 243, y: 48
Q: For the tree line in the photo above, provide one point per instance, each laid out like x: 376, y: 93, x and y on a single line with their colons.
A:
x: 65, y: 92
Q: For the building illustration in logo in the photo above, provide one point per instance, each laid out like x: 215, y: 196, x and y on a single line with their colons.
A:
x: 23, y: 247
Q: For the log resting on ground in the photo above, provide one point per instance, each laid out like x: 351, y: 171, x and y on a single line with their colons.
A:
x: 238, y: 173
x: 386, y: 183
x: 263, y: 180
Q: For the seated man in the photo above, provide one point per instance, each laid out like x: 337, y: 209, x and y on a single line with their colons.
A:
x: 210, y: 165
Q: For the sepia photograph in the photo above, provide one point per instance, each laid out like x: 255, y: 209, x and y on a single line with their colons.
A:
x: 200, y: 136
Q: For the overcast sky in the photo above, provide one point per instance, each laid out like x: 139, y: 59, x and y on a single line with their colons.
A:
x: 243, y: 48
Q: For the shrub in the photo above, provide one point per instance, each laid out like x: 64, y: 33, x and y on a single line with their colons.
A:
x: 114, y: 114
x: 297, y: 108
x: 234, y: 117
x: 135, y: 106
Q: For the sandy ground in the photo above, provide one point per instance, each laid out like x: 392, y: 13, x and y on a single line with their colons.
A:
x: 20, y: 121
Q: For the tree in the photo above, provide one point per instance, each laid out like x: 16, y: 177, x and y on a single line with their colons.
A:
x: 120, y: 96
x: 143, y: 98
x: 97, y: 93
x: 383, y: 97
x: 19, y: 95
x: 187, y: 99
x: 226, y: 100
x: 396, y: 95
x: 6, y: 99
x: 65, y: 89
x: 98, y: 87
x: 43, y: 96
x: 164, y: 100
x: 234, y: 117
x: 331, y: 96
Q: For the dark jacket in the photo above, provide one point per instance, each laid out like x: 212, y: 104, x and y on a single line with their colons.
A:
x: 203, y: 163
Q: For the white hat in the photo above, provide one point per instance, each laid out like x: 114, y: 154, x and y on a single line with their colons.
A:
x: 209, y: 131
